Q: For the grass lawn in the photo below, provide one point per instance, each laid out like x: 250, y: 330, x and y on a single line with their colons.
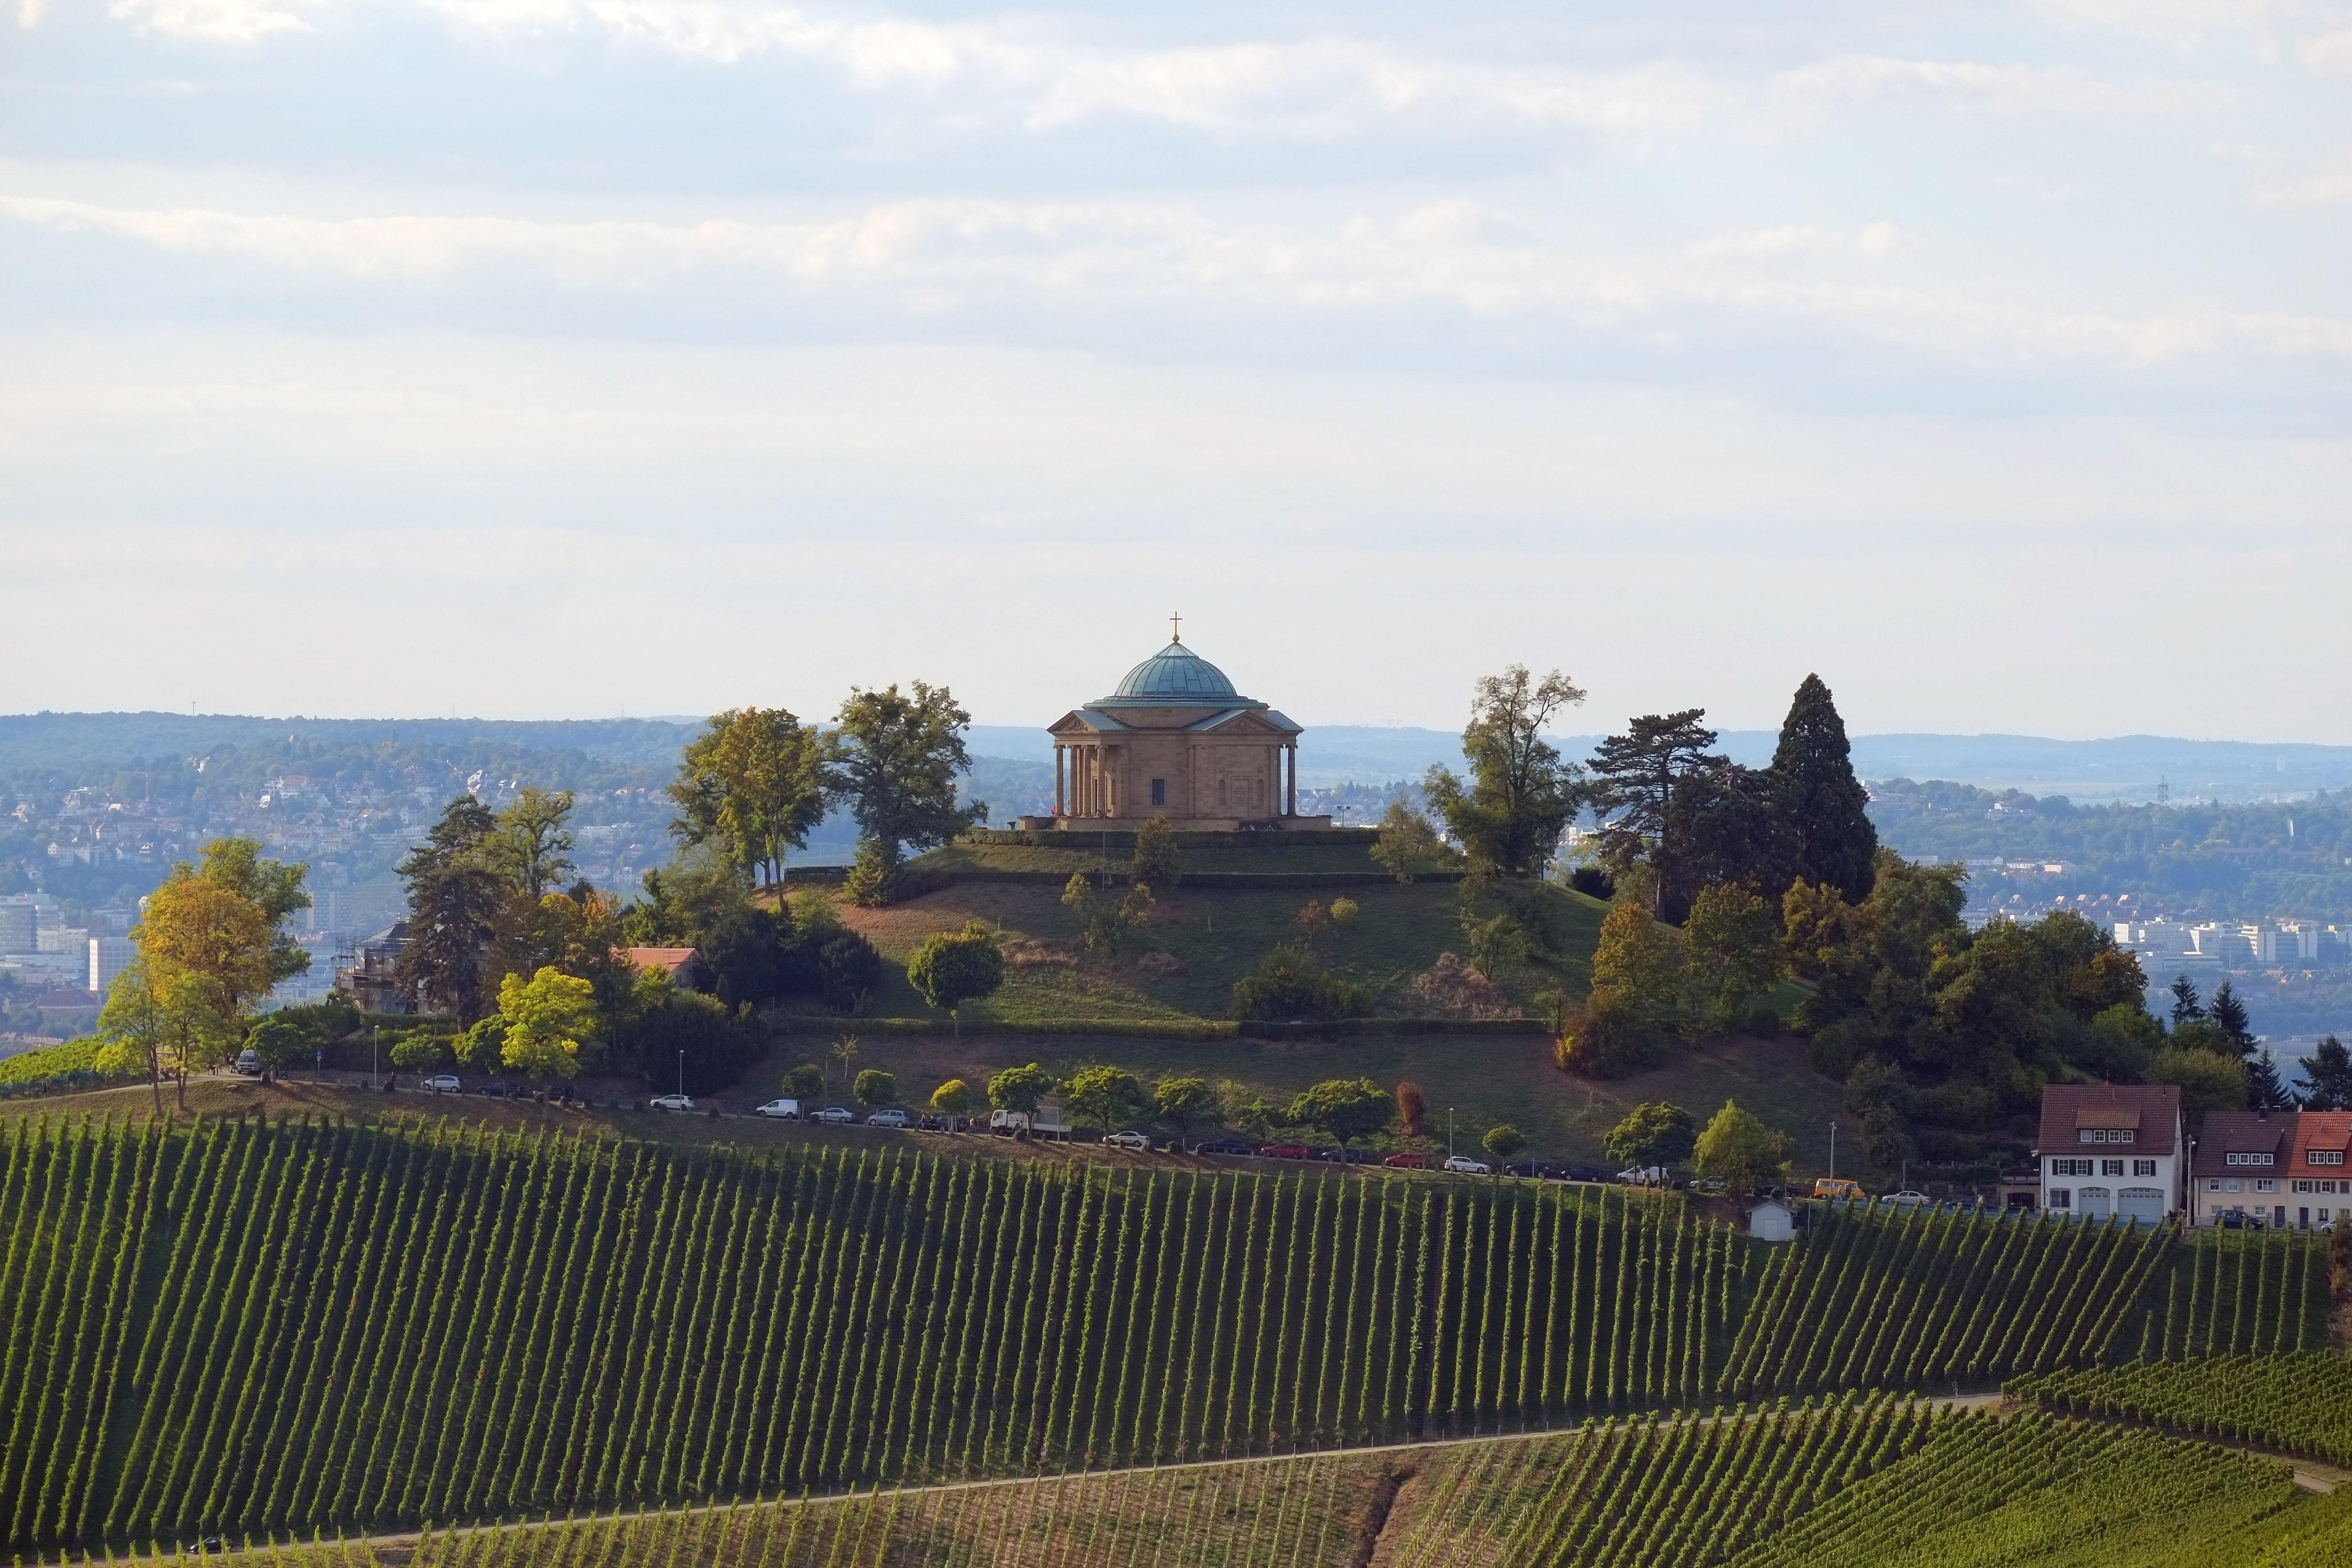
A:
x: 1215, y: 936
x: 1067, y: 852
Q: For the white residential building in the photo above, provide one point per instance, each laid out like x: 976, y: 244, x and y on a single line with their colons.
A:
x: 2112, y: 1149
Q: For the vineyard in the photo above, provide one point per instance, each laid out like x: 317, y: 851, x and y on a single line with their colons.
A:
x: 2301, y: 1404
x: 1926, y: 1299
x: 1839, y: 1485
x: 271, y: 1331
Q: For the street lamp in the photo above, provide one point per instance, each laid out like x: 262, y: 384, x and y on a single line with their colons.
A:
x: 681, y: 1073
x: 1833, y: 1149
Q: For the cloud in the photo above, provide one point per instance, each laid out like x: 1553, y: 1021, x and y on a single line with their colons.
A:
x: 2002, y: 89
x: 2329, y: 54
x: 213, y: 21
x: 932, y: 258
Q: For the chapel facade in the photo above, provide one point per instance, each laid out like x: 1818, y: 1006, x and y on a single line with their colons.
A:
x: 1176, y: 740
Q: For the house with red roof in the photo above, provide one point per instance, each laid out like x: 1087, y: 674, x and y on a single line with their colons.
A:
x: 2282, y: 1169
x: 682, y: 964
x: 2112, y: 1149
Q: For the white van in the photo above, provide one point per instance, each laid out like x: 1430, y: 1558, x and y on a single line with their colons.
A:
x: 248, y: 1064
x: 782, y: 1110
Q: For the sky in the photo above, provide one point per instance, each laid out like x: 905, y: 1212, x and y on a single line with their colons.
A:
x: 523, y: 358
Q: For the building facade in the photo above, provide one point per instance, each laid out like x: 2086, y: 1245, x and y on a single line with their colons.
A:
x: 2112, y: 1149
x: 1175, y: 739
x: 2279, y: 1169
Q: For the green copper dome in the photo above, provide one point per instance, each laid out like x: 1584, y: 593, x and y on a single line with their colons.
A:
x: 1174, y: 674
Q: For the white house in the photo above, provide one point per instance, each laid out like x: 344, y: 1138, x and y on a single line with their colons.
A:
x: 2112, y: 1149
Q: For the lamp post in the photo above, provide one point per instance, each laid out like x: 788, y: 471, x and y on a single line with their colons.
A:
x: 1833, y: 1149
x: 682, y: 1074
x: 1449, y: 1132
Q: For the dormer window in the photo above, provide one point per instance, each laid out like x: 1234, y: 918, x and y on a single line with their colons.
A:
x: 2326, y: 1156
x: 2108, y: 1135
x: 2238, y: 1157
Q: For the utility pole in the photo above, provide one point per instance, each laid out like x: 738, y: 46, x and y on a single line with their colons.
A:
x: 1449, y: 1132
x: 1833, y: 1149
x: 681, y: 1073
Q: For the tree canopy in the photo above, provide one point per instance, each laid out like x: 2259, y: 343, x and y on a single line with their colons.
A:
x: 953, y: 968
x: 1520, y: 795
x: 1348, y: 1109
x: 1739, y: 1151
x: 1812, y: 767
x: 893, y: 760
x: 1655, y: 1133
x: 752, y: 782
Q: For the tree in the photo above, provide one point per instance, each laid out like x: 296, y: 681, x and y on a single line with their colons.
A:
x: 132, y: 1029
x: 272, y: 887
x: 1104, y: 924
x: 1157, y: 862
x: 2229, y: 1014
x: 2263, y: 1089
x: 876, y: 1087
x: 1287, y: 985
x: 754, y: 782
x: 2327, y: 1077
x: 805, y: 1081
x: 1502, y: 1140
x: 195, y: 928
x: 1741, y: 1153
x: 1348, y: 1109
x: 1825, y: 804
x: 1637, y: 772
x: 275, y: 1040
x: 418, y: 1049
x: 1109, y: 1097
x: 845, y: 1049
x: 531, y: 851
x: 1183, y: 1103
x: 849, y: 970
x: 1020, y: 1088
x: 1724, y: 824
x: 893, y: 761
x: 951, y: 970
x: 2207, y: 1081
x: 1732, y: 954
x: 2186, y: 1006
x: 1407, y: 843
x: 1412, y: 1105
x: 1521, y: 796
x: 954, y: 1098
x: 1655, y: 1133
x: 544, y: 1018
x: 1634, y: 961
x: 454, y: 901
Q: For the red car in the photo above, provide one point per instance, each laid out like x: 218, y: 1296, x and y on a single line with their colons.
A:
x: 1408, y: 1161
x: 1287, y: 1152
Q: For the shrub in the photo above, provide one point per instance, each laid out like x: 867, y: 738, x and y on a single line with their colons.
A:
x: 1287, y: 985
x: 1608, y: 1037
x: 873, y: 879
x: 951, y: 970
x: 1593, y: 882
x: 419, y: 1049
x: 720, y: 1045
x: 849, y: 971
x: 1413, y: 1106
x: 1157, y: 862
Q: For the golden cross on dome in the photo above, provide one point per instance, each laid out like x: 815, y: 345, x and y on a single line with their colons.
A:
x: 1175, y: 628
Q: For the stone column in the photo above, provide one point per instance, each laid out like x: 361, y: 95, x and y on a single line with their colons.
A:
x: 1292, y: 752
x: 1061, y: 800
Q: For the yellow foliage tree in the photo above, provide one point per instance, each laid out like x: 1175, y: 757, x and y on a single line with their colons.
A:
x: 544, y: 1018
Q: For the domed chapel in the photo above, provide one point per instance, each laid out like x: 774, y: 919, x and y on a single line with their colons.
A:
x: 1176, y: 740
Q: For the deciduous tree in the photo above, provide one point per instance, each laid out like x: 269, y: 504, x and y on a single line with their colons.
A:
x: 1348, y: 1109
x: 1732, y: 954
x: 893, y: 761
x: 954, y: 1098
x: 1109, y: 1097
x: 876, y: 1087
x: 1520, y: 795
x: 1158, y: 863
x: 753, y: 781
x: 1183, y: 1102
x: 1408, y: 845
x: 1020, y: 1088
x: 951, y: 969
x: 1655, y: 1133
x: 1740, y: 1151
x: 545, y: 1019
x: 1502, y: 1140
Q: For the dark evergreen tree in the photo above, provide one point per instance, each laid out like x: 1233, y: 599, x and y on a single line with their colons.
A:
x: 2264, y: 1090
x: 454, y: 901
x: 2327, y: 1077
x: 2187, y: 1006
x: 1637, y: 772
x: 1825, y: 803
x: 1723, y: 825
x: 2229, y: 1015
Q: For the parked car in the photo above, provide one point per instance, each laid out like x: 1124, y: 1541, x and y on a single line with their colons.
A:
x: 1224, y: 1146
x: 673, y: 1102
x: 1287, y: 1152
x: 1584, y: 1173
x: 1344, y: 1156
x: 1907, y: 1198
x: 780, y: 1109
x: 887, y: 1119
x: 248, y: 1064
x: 834, y: 1115
x: 559, y: 1095
x: 499, y: 1088
x: 1713, y: 1186
x: 1408, y: 1161
x: 1463, y: 1166
x: 1128, y: 1140
x: 1643, y: 1175
x: 1536, y: 1168
x: 443, y: 1083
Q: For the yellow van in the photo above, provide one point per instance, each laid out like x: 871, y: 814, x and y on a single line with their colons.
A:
x: 1838, y: 1187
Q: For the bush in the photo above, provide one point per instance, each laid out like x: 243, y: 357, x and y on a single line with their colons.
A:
x: 1157, y: 863
x: 720, y: 1045
x: 949, y: 970
x: 420, y: 1049
x: 1593, y: 882
x: 1503, y: 1141
x: 873, y: 879
x: 1608, y: 1038
x: 849, y: 971
x: 1764, y: 1022
x: 1286, y: 984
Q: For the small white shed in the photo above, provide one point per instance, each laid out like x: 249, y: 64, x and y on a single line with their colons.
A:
x: 1772, y: 1220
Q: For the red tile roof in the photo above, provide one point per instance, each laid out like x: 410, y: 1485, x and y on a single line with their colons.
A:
x: 2152, y: 1108
x: 2324, y: 1130
x: 672, y: 959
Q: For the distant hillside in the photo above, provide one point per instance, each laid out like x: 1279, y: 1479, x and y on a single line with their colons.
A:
x: 99, y: 741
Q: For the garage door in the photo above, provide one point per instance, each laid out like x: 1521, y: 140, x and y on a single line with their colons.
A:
x: 2091, y: 1203
x: 2142, y: 1204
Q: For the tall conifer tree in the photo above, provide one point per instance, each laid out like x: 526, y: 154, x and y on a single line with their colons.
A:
x: 1824, y: 801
